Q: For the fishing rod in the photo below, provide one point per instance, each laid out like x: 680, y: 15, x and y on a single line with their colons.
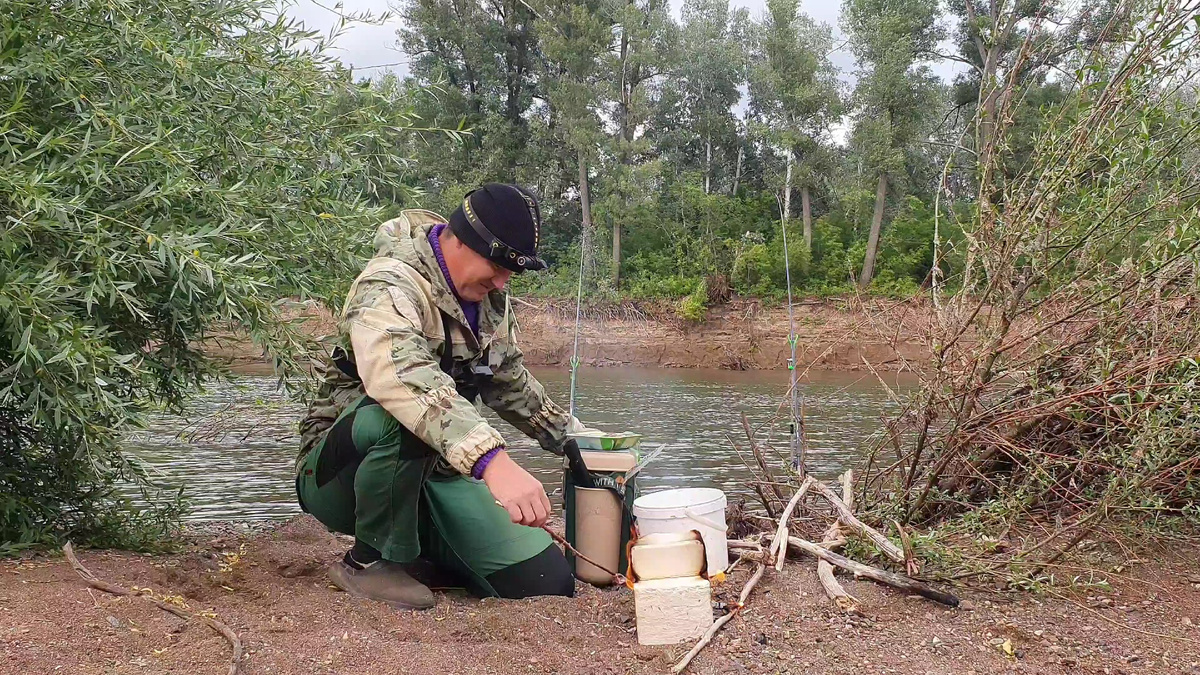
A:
x: 797, y: 425
x: 578, y: 312
x: 598, y: 441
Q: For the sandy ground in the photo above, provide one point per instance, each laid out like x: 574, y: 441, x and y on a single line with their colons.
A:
x: 270, y: 587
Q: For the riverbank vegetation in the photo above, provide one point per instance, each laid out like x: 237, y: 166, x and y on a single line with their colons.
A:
x: 1074, y: 413
x: 167, y: 169
x: 1060, y: 408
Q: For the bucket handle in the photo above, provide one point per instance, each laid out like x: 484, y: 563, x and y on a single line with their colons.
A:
x: 705, y: 521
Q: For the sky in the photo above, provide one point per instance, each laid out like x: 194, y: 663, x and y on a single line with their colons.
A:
x: 368, y: 47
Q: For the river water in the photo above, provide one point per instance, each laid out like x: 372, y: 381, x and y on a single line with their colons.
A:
x: 234, y: 449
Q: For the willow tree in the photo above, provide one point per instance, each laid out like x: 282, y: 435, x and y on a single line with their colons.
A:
x: 695, y: 119
x: 794, y: 96
x: 894, y: 91
x: 643, y: 51
x: 169, y: 168
x: 480, y: 62
x: 576, y: 37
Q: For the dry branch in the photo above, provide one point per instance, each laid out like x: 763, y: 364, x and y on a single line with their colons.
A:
x: 225, y: 631
x: 758, y: 484
x: 847, y: 517
x: 781, y: 533
x: 833, y: 540
x: 911, y: 566
x: 758, y: 457
x: 1060, y: 367
x: 844, y: 601
x: 739, y: 545
x: 759, y: 520
x: 874, y: 573
x: 763, y: 559
x: 618, y: 579
x: 759, y: 570
x: 751, y: 552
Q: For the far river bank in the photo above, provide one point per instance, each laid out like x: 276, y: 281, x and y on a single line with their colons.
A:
x: 831, y: 334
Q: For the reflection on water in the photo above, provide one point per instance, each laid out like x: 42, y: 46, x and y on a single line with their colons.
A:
x: 235, y: 449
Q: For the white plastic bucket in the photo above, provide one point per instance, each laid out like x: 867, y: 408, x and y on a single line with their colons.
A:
x: 680, y: 510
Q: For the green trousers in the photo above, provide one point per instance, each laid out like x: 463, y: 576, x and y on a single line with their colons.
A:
x: 371, y: 478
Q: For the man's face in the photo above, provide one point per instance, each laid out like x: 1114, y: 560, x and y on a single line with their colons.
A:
x: 474, y: 276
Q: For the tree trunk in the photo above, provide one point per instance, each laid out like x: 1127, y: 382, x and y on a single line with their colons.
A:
x: 624, y: 138
x: 806, y: 209
x: 868, y: 270
x: 707, y: 163
x: 616, y: 261
x: 989, y: 138
x: 586, y: 205
x: 737, y: 173
x: 624, y: 128
x: 787, y: 191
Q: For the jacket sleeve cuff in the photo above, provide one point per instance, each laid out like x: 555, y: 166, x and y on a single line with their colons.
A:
x: 549, y: 426
x: 464, y: 454
x: 482, y: 462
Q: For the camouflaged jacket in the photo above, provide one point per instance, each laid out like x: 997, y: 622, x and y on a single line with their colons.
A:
x: 391, y: 328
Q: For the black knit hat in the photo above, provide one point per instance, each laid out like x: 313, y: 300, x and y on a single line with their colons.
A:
x: 502, y: 223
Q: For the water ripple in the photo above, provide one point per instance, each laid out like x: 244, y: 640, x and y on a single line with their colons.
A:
x: 234, y: 449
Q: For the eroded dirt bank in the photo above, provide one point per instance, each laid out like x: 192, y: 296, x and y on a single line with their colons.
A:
x: 269, y: 586
x: 738, y: 335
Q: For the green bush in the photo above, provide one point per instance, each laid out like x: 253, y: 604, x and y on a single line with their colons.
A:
x: 752, y: 271
x: 46, y: 494
x: 797, y: 263
x: 170, y: 168
x: 887, y: 284
x: 670, y: 287
x: 830, y: 268
x: 694, y: 307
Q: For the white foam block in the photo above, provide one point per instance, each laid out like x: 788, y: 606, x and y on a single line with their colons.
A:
x: 670, y: 611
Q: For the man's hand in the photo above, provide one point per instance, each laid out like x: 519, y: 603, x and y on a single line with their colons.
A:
x: 577, y: 427
x: 518, y: 492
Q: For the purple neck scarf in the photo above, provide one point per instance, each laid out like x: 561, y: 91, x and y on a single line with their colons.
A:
x: 470, y: 309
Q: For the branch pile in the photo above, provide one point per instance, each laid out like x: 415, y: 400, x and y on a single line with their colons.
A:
x: 1062, y: 401
x: 767, y: 549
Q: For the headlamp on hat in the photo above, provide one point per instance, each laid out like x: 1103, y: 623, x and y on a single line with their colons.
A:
x: 509, y: 209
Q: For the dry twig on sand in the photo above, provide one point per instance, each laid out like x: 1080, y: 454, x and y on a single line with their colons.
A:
x: 100, y: 585
x: 759, y: 570
x: 773, y: 557
x: 874, y: 573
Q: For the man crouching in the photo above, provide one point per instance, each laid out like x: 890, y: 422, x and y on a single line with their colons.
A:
x: 394, y: 450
